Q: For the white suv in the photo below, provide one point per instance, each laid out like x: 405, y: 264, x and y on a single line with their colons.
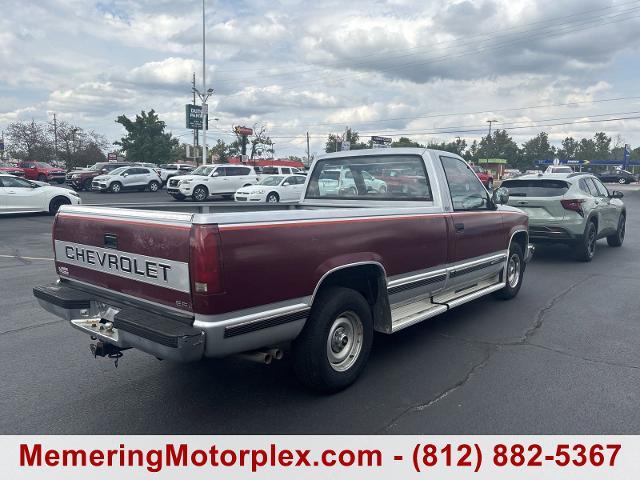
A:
x: 209, y: 180
x: 127, y: 178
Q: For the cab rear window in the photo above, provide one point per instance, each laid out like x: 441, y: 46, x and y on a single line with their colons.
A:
x: 536, y: 188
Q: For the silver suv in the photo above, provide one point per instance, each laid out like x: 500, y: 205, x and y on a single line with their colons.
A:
x: 576, y: 209
x: 127, y: 178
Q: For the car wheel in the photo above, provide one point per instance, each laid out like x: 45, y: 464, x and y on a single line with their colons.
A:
x: 514, y: 273
x: 383, y: 190
x: 42, y: 178
x: 87, y: 184
x: 178, y: 196
x: 490, y: 184
x: 56, y: 203
x: 115, y: 187
x: 154, y: 186
x: 60, y: 181
x: 617, y: 239
x: 200, y: 193
x: 587, y: 246
x: 333, y: 348
x: 273, y: 198
x: 622, y: 181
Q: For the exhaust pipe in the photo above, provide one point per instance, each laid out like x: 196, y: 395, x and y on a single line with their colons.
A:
x: 256, y: 356
x: 276, y: 353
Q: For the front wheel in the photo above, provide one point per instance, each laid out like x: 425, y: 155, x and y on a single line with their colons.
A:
x: 115, y: 187
x: 86, y: 185
x: 42, y: 177
x: 200, y: 193
x: 56, y: 203
x: 334, y: 346
x: 514, y: 273
x: 622, y: 181
x: 617, y: 239
x: 273, y: 198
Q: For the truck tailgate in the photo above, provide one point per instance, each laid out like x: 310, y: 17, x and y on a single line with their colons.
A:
x: 144, y: 255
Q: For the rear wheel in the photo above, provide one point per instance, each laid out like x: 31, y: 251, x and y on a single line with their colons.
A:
x: 586, y: 248
x: 622, y: 181
x: 617, y: 239
x: 115, y: 187
x: 333, y: 348
x: 273, y: 198
x: 514, y: 273
x: 56, y: 203
x: 200, y: 193
x: 42, y: 177
x: 154, y: 186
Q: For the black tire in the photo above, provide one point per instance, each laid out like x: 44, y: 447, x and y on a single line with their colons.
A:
x: 515, y: 273
x: 200, y: 193
x: 60, y: 181
x: 334, y: 309
x: 178, y: 196
x: 586, y: 247
x: 115, y: 187
x: 617, y: 239
x: 86, y: 185
x: 154, y: 186
x: 56, y: 203
x: 273, y: 197
x: 42, y: 177
x: 622, y: 181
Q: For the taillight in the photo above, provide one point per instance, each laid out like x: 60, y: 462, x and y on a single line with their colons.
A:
x: 573, y: 205
x: 204, y: 260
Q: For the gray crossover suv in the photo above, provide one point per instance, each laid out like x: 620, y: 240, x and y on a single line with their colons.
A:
x: 575, y: 208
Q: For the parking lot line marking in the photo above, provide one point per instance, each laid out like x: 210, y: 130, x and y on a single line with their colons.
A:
x: 26, y: 258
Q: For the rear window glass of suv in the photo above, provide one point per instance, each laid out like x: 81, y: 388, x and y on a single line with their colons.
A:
x: 536, y: 188
x: 370, y: 178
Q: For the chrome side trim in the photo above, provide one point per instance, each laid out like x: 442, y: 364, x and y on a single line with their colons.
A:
x: 428, y: 275
x: 248, y: 319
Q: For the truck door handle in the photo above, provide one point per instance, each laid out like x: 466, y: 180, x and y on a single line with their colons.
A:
x: 459, y: 227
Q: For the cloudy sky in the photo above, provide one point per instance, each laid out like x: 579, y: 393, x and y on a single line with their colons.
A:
x: 429, y: 69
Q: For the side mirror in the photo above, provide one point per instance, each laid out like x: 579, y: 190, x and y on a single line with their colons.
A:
x: 616, y: 194
x: 104, y: 170
x: 215, y: 174
x: 125, y: 174
x: 286, y: 184
x: 500, y: 196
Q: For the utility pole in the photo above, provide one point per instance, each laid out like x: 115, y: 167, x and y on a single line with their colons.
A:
x: 490, y: 122
x: 2, y: 147
x: 195, y: 130
x: 55, y: 136
x: 308, y: 156
x: 205, y: 94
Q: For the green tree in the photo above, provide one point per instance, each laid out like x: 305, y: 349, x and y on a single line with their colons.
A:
x: 500, y: 145
x: 146, y: 140
x: 405, y: 142
x: 334, y: 142
x: 458, y: 146
x: 569, y: 149
x: 602, y: 143
x: 221, y: 149
x: 537, y: 148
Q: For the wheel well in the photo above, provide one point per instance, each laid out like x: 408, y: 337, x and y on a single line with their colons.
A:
x: 370, y: 281
x: 275, y: 193
x: 522, y: 239
x: 59, y: 199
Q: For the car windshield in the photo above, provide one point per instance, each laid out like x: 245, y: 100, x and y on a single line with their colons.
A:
x: 272, y: 181
x: 5, y: 165
x: 204, y: 170
x: 117, y: 171
x: 535, y: 188
x: 97, y: 167
x: 43, y: 165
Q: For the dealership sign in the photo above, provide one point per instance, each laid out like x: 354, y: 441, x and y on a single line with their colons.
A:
x: 244, y: 131
x: 194, y: 117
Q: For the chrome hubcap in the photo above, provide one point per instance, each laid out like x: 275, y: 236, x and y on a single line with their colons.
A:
x: 116, y: 187
x: 513, y: 270
x: 272, y: 199
x: 199, y: 194
x: 344, y: 342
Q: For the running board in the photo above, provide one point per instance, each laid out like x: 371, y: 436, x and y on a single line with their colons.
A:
x: 409, y: 314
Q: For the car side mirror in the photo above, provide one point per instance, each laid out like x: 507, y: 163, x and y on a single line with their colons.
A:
x: 616, y: 194
x: 215, y: 174
x: 286, y: 184
x: 125, y: 174
x: 500, y: 196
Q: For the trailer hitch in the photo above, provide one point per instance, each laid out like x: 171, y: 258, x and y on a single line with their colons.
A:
x: 102, y: 349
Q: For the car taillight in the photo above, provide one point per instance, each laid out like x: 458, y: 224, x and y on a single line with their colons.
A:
x: 574, y: 205
x: 205, y: 263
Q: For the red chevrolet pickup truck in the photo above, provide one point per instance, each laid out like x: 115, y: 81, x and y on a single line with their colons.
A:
x: 321, y: 275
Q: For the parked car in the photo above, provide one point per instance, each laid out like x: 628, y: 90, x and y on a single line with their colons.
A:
x: 558, y: 169
x: 484, y: 176
x: 42, y: 172
x: 273, y: 189
x: 209, y: 180
x: 341, y: 181
x: 18, y: 195
x: 533, y: 172
x: 279, y: 170
x: 11, y: 170
x: 511, y: 173
x: 322, y: 276
x: 576, y: 209
x: 127, y: 178
x: 153, y: 166
x: 82, y: 179
x: 618, y: 176
x: 174, y: 169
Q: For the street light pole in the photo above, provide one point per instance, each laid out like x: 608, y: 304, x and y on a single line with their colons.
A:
x: 205, y: 111
x: 490, y: 122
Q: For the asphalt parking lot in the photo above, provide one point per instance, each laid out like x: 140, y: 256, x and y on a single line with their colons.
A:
x: 562, y: 357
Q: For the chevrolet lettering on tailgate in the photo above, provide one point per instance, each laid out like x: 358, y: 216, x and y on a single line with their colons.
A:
x: 156, y: 271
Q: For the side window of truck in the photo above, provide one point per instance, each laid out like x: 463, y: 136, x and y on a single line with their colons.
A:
x: 466, y: 190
